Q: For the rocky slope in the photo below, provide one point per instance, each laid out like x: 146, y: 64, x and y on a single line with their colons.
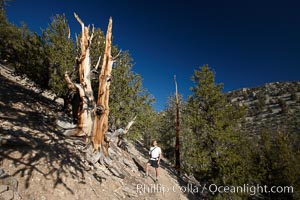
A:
x: 272, y: 106
x: 38, y: 162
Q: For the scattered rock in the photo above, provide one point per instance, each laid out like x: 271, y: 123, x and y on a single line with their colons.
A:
x: 130, y: 191
x: 8, y: 187
x: 3, y: 188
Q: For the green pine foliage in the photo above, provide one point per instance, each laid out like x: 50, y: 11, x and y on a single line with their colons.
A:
x: 11, y: 41
x: 61, y: 53
x: 96, y: 51
x: 215, y: 126
x: 24, y: 49
x: 146, y: 125
x: 167, y: 127
x: 4, y: 26
x: 275, y: 161
x: 97, y: 47
x: 32, y: 58
x: 128, y: 98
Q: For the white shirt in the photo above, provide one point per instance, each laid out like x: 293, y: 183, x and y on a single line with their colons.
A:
x: 155, y: 152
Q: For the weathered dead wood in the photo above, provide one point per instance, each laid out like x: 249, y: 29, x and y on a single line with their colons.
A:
x: 77, y: 43
x: 98, y: 62
x: 70, y: 84
x: 129, y: 125
x: 93, y: 118
x: 117, y: 137
x: 87, y: 124
x: 119, y: 160
x: 92, y: 35
x: 86, y: 110
x: 84, y: 61
x: 177, y: 145
x: 102, y: 112
x: 69, y: 32
x: 119, y: 133
x: 118, y: 54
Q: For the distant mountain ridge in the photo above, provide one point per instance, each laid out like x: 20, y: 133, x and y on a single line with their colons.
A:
x: 272, y: 106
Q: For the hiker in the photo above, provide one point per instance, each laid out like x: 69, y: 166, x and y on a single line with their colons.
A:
x: 154, y: 161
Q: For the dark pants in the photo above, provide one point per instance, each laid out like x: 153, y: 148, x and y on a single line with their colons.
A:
x: 153, y: 163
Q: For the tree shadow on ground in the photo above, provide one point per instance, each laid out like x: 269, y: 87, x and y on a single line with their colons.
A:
x: 29, y: 138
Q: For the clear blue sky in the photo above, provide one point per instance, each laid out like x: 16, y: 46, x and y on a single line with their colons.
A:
x: 246, y: 42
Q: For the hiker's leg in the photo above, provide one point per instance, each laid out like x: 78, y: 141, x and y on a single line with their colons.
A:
x: 147, y: 168
x: 156, y: 171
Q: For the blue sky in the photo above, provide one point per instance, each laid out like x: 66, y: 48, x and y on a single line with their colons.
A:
x: 246, y: 43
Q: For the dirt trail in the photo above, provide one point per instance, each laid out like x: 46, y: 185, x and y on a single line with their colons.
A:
x: 49, y: 166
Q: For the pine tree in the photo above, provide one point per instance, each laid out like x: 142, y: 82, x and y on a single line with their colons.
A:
x: 275, y: 161
x: 11, y: 41
x: 128, y: 97
x: 215, y: 140
x: 167, y: 127
x: 61, y: 53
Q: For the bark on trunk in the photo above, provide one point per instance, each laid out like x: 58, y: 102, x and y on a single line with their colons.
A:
x: 92, y: 117
x: 86, y: 115
x: 102, y: 110
x: 86, y: 108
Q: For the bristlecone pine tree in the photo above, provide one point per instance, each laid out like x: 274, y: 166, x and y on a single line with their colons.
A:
x: 92, y: 114
x: 215, y: 134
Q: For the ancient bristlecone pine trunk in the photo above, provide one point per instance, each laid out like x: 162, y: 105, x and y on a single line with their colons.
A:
x: 102, y: 110
x: 92, y: 117
x: 86, y: 110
